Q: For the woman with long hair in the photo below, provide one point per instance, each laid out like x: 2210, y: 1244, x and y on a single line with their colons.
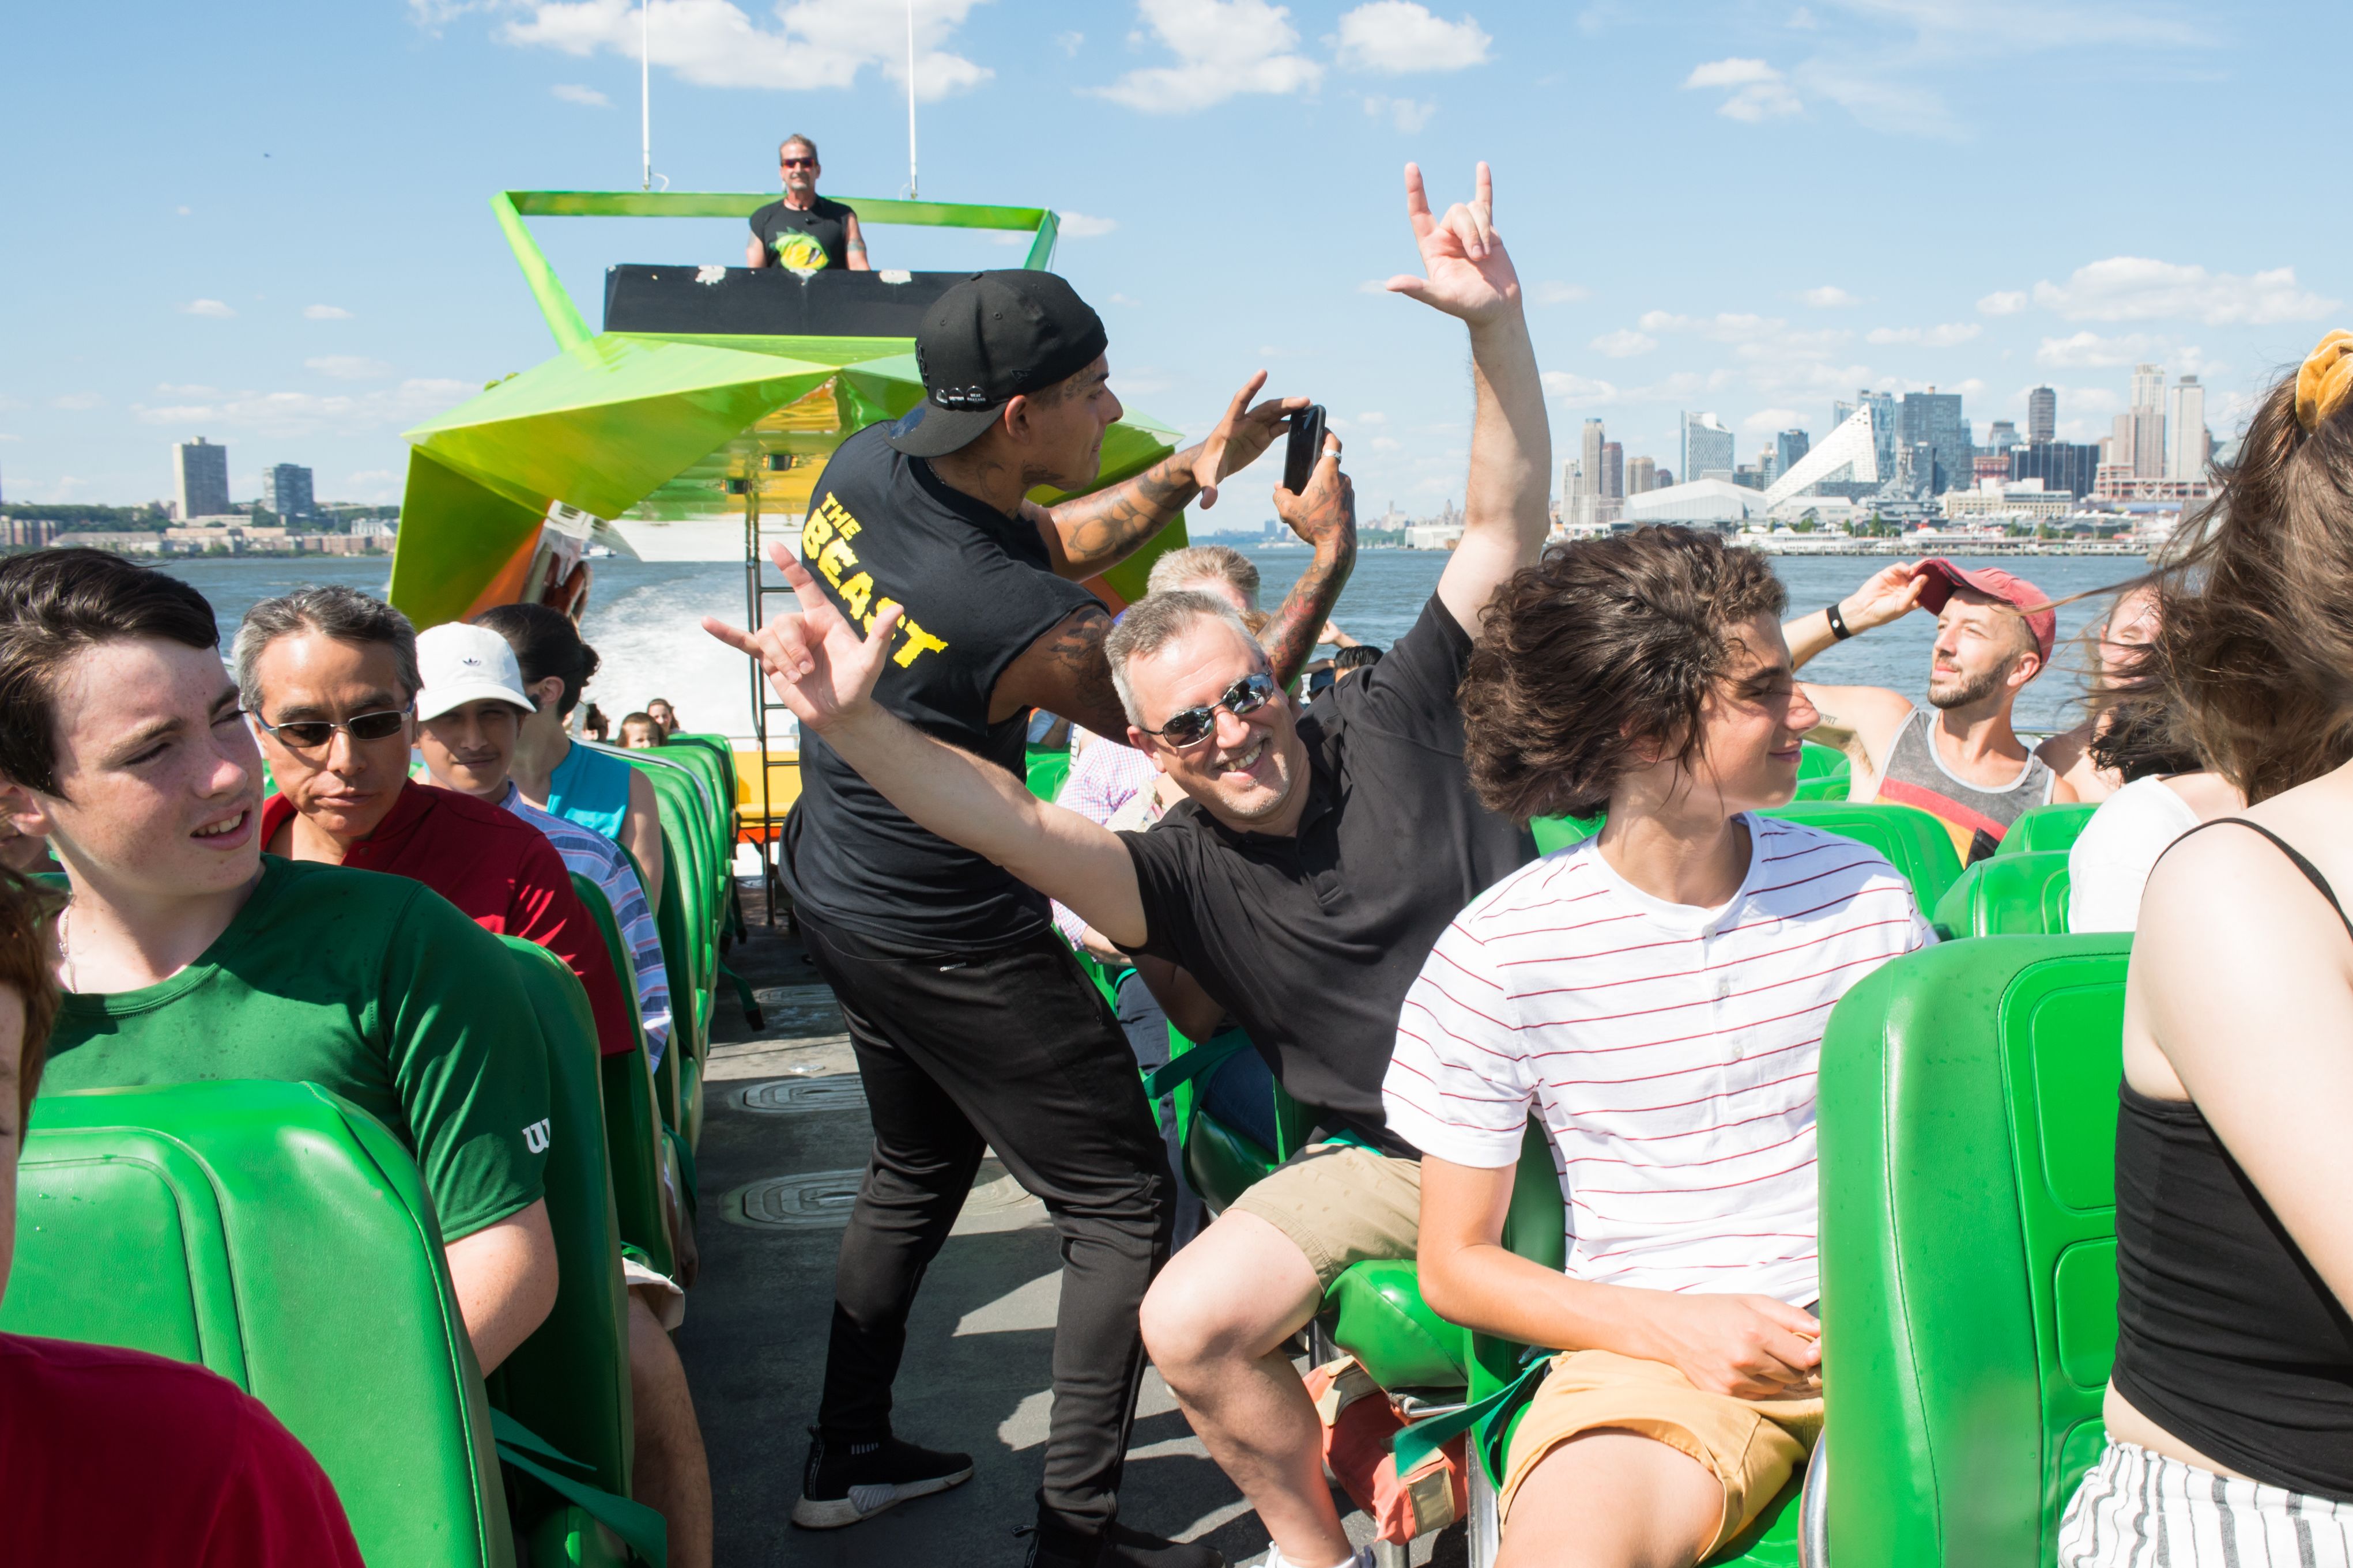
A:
x: 2230, y: 1409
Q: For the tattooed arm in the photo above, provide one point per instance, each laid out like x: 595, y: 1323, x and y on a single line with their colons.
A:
x: 1093, y: 532
x: 1325, y: 516
x: 1065, y: 673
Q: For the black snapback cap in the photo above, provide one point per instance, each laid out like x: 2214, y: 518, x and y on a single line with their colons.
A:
x: 991, y: 338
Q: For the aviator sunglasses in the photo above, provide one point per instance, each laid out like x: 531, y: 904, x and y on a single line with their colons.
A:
x: 310, y: 734
x: 1189, y: 727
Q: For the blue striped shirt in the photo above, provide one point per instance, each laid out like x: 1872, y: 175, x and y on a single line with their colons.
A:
x: 600, y: 860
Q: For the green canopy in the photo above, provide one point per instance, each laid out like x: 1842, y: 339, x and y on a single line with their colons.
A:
x: 643, y: 439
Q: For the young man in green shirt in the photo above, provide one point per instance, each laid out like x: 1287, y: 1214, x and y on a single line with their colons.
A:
x: 185, y: 954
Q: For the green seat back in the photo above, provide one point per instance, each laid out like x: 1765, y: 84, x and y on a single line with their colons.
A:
x: 1047, y: 769
x: 1375, y: 1313
x: 689, y: 808
x: 1967, y: 1145
x: 570, y: 1381
x: 278, y: 1236
x: 715, y: 757
x: 1913, y: 842
x: 1816, y: 760
x: 1553, y: 832
x: 2041, y: 828
x: 632, y: 1122
x: 2007, y: 895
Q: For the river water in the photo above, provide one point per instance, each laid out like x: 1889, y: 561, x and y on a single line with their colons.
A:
x: 643, y: 618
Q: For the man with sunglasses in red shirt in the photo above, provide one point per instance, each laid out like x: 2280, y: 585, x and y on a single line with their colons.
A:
x: 1300, y: 885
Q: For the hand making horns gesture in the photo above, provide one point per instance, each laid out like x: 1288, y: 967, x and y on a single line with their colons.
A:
x: 1470, y: 275
x: 816, y: 661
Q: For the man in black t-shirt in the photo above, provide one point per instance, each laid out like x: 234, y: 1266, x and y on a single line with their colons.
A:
x: 1300, y: 885
x: 973, y: 1024
x: 805, y: 231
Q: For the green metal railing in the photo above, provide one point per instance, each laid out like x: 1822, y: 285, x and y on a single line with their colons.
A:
x: 564, y: 317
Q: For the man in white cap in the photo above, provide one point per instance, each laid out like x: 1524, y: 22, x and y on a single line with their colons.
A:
x: 468, y: 708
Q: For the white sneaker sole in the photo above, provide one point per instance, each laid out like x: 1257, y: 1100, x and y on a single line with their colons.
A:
x: 864, y: 1502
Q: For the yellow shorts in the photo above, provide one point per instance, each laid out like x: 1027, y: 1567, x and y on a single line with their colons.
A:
x: 1751, y: 1446
x: 1340, y: 1204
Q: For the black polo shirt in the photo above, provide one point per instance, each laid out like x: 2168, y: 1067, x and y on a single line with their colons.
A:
x: 1311, y: 942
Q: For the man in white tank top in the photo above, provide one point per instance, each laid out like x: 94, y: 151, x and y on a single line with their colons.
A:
x: 1958, y: 758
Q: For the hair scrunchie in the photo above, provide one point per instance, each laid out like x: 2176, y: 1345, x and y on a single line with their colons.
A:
x: 2326, y: 378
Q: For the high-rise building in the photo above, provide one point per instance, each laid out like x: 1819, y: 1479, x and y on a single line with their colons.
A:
x: 2185, y: 430
x: 1642, y: 474
x: 1613, y: 470
x: 1572, y: 484
x: 285, y: 490
x: 1588, y: 460
x: 1883, y: 433
x: 2060, y: 465
x: 1706, y: 447
x: 2148, y: 387
x: 2042, y: 414
x: 2137, y: 442
x: 1788, y: 447
x: 1934, y: 419
x: 200, y: 475
x: 2000, y: 436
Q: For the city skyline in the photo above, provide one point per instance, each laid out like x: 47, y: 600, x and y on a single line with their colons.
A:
x: 402, y: 300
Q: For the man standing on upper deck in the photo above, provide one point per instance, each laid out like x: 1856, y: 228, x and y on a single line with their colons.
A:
x: 1956, y: 759
x: 804, y: 231
x: 972, y: 1023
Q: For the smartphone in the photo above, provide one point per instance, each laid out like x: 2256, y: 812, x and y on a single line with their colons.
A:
x: 1306, y: 446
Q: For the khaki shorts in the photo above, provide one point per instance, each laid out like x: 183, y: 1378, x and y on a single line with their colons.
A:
x: 1341, y: 1204
x: 1751, y: 1446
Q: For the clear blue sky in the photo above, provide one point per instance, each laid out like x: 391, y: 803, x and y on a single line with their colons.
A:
x: 267, y: 224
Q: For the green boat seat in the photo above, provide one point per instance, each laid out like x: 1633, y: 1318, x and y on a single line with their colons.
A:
x: 2045, y: 827
x: 1374, y: 1310
x: 1553, y: 832
x: 1047, y: 769
x: 1534, y: 1228
x: 2007, y: 895
x: 721, y: 772
x: 1816, y: 760
x: 1967, y: 1146
x: 569, y: 1381
x: 1913, y: 842
x: 633, y: 1128
x: 278, y: 1236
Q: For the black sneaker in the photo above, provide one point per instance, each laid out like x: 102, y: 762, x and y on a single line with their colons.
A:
x: 1053, y: 1544
x: 847, y: 1482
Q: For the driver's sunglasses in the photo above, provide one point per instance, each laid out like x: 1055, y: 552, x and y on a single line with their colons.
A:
x: 798, y: 163
x: 310, y: 734
x: 1189, y: 727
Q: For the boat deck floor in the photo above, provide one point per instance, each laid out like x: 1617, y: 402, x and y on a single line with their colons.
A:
x: 784, y: 1140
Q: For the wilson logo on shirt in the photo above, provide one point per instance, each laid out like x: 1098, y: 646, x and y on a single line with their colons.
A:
x: 825, y: 545
x: 536, y: 1136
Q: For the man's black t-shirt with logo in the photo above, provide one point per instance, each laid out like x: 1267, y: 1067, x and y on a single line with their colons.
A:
x: 977, y: 589
x: 807, y: 240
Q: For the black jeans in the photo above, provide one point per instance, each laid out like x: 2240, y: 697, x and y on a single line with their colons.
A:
x: 1014, y: 1051
x: 1146, y: 1028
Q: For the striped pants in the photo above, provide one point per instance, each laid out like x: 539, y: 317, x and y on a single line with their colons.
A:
x: 2139, y: 1509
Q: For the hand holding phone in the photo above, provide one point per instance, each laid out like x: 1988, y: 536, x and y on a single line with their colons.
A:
x: 1306, y: 448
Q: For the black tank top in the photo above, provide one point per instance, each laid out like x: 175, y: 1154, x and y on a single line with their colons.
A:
x: 2226, y: 1337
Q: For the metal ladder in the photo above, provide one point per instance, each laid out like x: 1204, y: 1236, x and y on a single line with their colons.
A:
x: 759, y: 588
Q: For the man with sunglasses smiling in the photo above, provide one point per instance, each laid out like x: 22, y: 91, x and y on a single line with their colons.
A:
x: 805, y: 231
x: 329, y: 677
x: 1301, y: 886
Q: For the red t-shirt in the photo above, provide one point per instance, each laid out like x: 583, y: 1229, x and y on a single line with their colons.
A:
x: 116, y: 1457
x: 502, y: 872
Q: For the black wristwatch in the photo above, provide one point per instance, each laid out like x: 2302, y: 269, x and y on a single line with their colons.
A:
x: 1840, y: 630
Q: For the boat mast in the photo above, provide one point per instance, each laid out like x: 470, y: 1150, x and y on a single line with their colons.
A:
x: 645, y: 93
x: 913, y: 190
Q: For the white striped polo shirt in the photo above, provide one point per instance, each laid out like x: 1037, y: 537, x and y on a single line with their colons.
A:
x: 1670, y: 1050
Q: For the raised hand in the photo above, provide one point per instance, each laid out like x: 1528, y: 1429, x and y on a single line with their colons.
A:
x: 816, y: 661
x: 1887, y: 595
x: 1241, y: 436
x: 1468, y: 273
x: 1326, y: 510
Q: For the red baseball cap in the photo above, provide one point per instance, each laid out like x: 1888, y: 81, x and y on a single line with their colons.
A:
x: 1939, y: 577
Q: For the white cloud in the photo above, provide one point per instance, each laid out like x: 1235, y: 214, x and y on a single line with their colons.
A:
x: 2087, y: 350
x: 1398, y: 36
x: 712, y: 43
x: 75, y: 402
x: 291, y: 414
x: 326, y: 313
x: 349, y: 367
x: 1803, y: 20
x: 1943, y: 336
x: 1828, y: 297
x: 586, y: 97
x: 1405, y: 113
x: 1562, y: 293
x: 1761, y: 92
x: 1079, y: 226
x: 1124, y: 300
x: 2002, y: 303
x: 1571, y: 388
x: 215, y: 308
x: 1069, y: 43
x: 2135, y: 289
x: 1223, y: 48
x: 1625, y: 344
x: 1772, y: 421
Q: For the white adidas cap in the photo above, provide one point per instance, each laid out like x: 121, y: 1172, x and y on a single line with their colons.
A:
x: 462, y: 664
